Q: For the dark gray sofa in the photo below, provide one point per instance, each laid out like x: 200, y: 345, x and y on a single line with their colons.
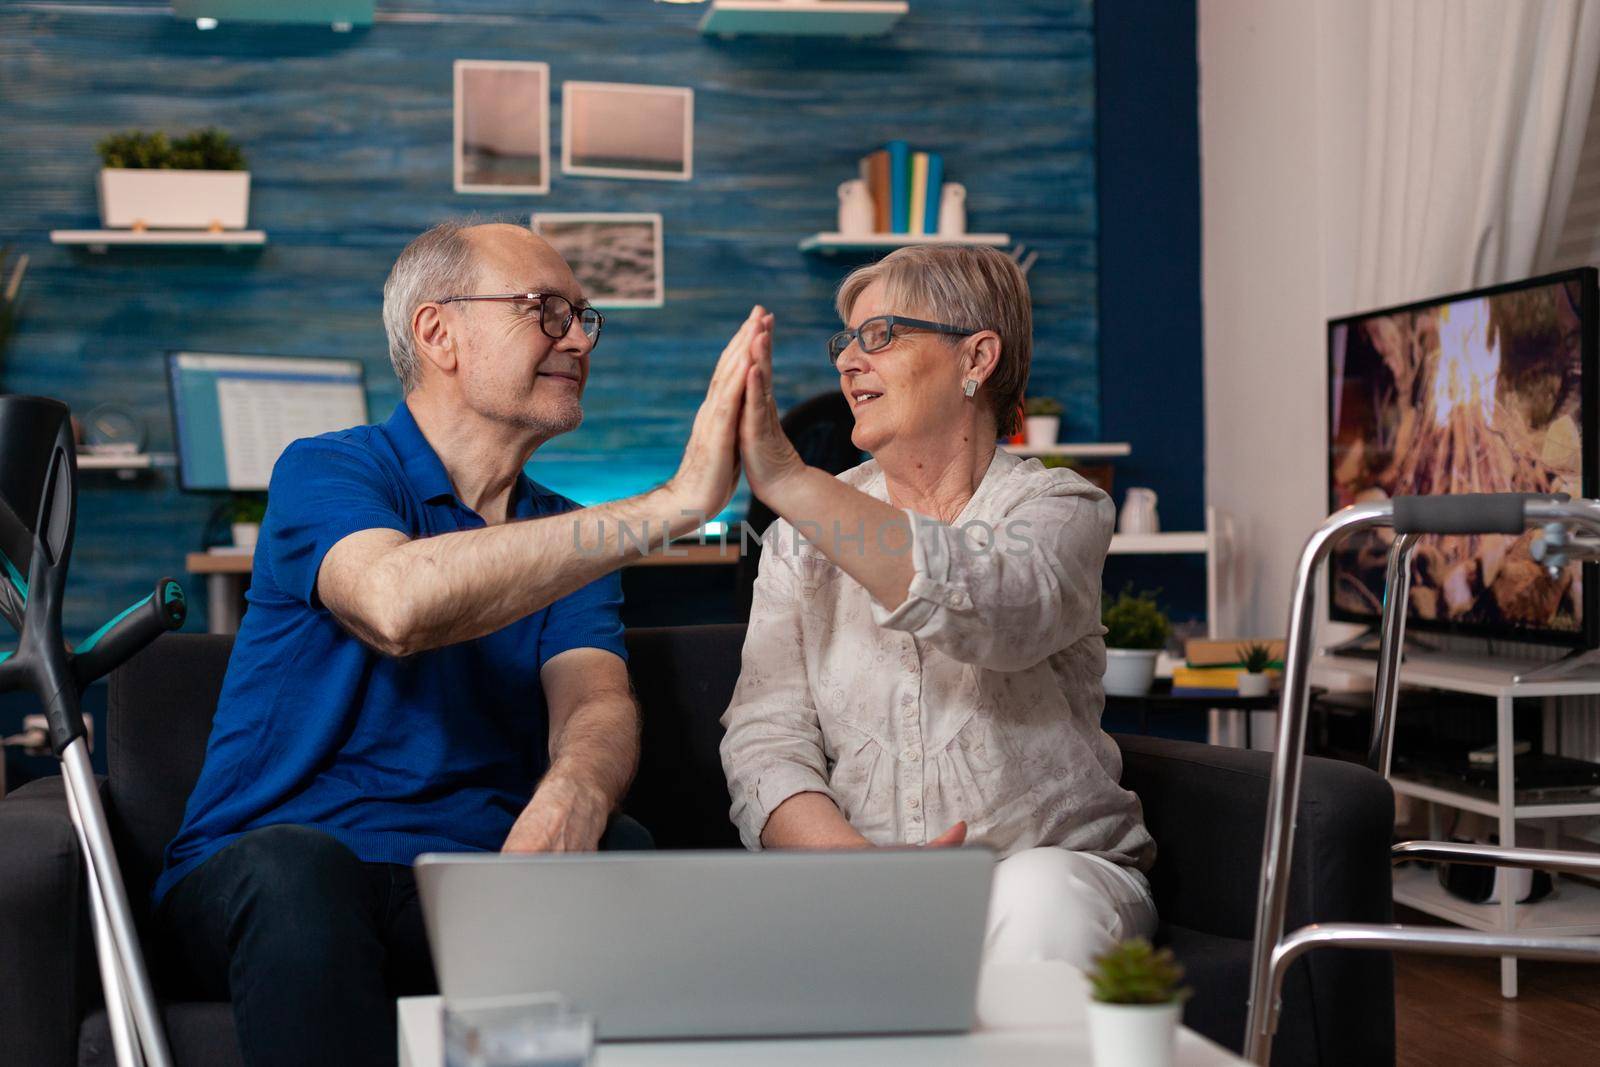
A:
x: 1205, y: 806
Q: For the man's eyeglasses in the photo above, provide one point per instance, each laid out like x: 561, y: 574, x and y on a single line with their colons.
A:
x: 555, y: 312
x: 875, y: 334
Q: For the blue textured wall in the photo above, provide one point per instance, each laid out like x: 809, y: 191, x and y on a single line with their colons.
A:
x: 348, y: 138
x: 1147, y: 153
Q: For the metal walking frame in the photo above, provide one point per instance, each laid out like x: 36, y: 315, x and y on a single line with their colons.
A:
x: 1410, y: 518
x: 38, y: 509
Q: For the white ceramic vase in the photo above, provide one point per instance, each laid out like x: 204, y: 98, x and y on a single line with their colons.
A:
x: 953, y: 210
x: 245, y: 534
x: 855, y: 208
x: 1134, y: 1035
x: 1256, y: 684
x: 1129, y: 671
x: 174, y: 199
x: 1042, y: 430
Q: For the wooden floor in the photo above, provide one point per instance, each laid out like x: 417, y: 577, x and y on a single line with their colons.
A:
x: 1449, y: 1013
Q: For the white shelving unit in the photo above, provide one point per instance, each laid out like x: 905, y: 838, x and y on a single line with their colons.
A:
x: 102, y: 240
x: 1575, y: 908
x: 803, y: 18
x: 123, y: 464
x: 828, y: 244
x: 1162, y: 544
x: 1108, y: 450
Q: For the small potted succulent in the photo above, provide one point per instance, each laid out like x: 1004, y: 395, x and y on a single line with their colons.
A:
x: 1136, y: 632
x: 1135, y: 1001
x: 245, y: 514
x: 197, y: 181
x: 1042, y: 417
x: 1256, y: 657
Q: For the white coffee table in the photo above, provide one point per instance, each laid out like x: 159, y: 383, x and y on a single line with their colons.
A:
x: 1028, y: 1014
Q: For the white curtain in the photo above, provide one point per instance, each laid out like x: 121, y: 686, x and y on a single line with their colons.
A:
x: 1473, y: 114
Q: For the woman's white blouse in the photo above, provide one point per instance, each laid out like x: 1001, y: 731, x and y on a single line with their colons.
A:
x: 978, y: 698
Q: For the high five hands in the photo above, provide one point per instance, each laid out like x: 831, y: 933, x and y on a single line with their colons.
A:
x: 738, y: 420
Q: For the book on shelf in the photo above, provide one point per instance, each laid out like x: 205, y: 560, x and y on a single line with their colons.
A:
x: 1228, y: 651
x: 935, y: 193
x: 899, y: 186
x: 875, y: 171
x: 917, y: 214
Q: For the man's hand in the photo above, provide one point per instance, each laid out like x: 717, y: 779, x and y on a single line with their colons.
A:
x: 769, y: 458
x: 563, y: 816
x: 709, y: 472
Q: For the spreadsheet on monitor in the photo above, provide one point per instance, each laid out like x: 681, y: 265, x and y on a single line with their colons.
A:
x: 234, y: 415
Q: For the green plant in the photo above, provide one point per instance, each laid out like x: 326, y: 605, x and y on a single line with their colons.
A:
x: 1134, y: 620
x: 1255, y: 656
x: 1041, y: 405
x: 208, y: 149
x: 247, y: 509
x: 1134, y: 972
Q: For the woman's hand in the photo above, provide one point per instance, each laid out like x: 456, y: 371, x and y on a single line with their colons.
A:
x: 770, y: 461
x: 709, y: 472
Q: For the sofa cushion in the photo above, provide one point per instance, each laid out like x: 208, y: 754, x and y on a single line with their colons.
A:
x: 199, y: 1034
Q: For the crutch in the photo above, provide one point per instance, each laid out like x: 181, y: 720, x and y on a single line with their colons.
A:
x: 1410, y: 517
x: 38, y: 506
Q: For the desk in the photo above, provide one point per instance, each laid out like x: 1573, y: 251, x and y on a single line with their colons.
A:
x: 1160, y: 698
x: 1029, y: 1015
x: 227, y: 572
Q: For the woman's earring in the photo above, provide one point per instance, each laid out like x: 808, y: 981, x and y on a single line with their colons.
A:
x: 970, y: 387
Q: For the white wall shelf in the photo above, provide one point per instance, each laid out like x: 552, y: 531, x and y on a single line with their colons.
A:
x: 125, y: 465
x: 101, y: 240
x: 1572, y: 911
x: 1107, y: 450
x: 803, y: 18
x: 1161, y: 544
x: 828, y: 244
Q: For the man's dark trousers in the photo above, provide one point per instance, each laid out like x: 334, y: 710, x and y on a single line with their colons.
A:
x: 311, y: 944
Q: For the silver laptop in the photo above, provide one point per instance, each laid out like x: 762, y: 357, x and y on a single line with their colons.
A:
x: 718, y: 944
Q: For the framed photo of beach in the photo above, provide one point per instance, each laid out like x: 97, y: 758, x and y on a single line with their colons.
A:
x: 615, y: 130
x: 502, y: 127
x: 617, y: 257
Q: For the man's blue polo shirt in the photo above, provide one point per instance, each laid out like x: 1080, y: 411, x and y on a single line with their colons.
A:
x: 437, y: 752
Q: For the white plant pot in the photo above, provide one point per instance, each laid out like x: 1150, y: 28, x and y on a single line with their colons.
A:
x: 1254, y: 685
x: 174, y: 199
x: 1129, y: 671
x: 245, y: 534
x: 1134, y: 1035
x: 1042, y: 430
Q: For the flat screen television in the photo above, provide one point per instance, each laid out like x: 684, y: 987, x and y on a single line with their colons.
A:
x: 1489, y: 391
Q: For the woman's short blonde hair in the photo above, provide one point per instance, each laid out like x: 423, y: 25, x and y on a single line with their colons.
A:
x: 970, y: 286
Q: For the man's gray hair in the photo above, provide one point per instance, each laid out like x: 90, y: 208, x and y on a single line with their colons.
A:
x: 437, y: 264
x: 970, y: 286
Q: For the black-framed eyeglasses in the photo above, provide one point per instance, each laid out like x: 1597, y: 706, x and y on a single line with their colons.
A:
x: 556, y: 312
x: 875, y: 334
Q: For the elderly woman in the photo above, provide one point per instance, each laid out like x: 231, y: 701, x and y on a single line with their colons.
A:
x: 924, y: 655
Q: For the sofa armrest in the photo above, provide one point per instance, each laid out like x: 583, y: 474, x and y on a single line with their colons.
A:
x: 47, y: 975
x: 1206, y: 806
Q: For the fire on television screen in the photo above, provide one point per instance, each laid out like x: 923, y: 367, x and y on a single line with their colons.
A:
x: 1491, y: 391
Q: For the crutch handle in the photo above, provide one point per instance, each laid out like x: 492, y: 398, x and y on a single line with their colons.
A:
x: 1465, y: 513
x: 129, y: 631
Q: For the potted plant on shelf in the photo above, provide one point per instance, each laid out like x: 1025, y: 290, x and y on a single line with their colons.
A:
x: 1136, y: 632
x: 1253, y: 680
x: 245, y: 515
x: 1134, y: 1004
x: 1042, y: 416
x: 198, y: 181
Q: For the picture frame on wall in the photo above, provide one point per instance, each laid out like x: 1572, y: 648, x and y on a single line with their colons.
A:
x: 620, y: 130
x: 502, y: 127
x: 616, y: 256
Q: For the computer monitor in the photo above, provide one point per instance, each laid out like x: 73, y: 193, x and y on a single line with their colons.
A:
x: 233, y: 415
x: 1489, y: 391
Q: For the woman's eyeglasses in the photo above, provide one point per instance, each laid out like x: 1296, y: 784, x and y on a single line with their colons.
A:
x: 875, y: 334
x: 555, y: 312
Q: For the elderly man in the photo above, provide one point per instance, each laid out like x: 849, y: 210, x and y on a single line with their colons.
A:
x: 432, y: 640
